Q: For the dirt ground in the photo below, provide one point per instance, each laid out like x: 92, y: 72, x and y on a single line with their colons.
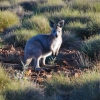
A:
x: 11, y: 58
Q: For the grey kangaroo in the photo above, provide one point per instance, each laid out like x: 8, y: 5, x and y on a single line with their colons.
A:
x: 43, y: 45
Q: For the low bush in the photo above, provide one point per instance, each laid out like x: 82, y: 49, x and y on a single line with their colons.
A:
x: 20, y: 37
x: 4, y: 4
x: 4, y: 79
x: 96, y: 7
x: 82, y: 60
x: 23, y: 35
x: 91, y: 46
x: 38, y: 23
x: 85, y: 5
x: 12, y: 89
x: 51, y: 6
x: 79, y: 28
x: 68, y: 15
x: 2, y: 0
x: 94, y: 24
x: 29, y: 5
x: 58, y: 85
x: 70, y: 40
x: 85, y: 87
x: 8, y: 19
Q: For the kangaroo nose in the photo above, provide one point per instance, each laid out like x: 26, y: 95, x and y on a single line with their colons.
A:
x: 56, y: 36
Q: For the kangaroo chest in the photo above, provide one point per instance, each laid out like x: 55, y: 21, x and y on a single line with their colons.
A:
x: 56, y: 43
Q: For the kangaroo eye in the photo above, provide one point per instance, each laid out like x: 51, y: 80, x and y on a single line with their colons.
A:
x: 59, y: 31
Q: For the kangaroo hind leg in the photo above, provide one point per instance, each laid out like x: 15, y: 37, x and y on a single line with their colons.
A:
x: 27, y: 61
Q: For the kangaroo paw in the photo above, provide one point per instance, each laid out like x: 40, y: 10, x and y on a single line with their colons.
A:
x: 56, y: 54
x: 53, y: 53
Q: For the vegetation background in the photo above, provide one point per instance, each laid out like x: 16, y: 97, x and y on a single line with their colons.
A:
x: 22, y: 19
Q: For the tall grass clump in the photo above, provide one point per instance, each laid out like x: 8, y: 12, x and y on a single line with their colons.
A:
x: 58, y: 85
x: 78, y: 28
x: 52, y: 6
x: 16, y: 90
x: 91, y: 46
x: 23, y: 35
x: 63, y: 13
x: 94, y: 24
x: 82, y: 60
x: 39, y: 23
x: 4, y: 79
x: 8, y: 19
x: 96, y: 7
x: 13, y: 2
x: 85, y: 5
x: 71, y: 40
x: 87, y: 87
x: 19, y: 37
x: 81, y: 5
x: 69, y: 15
x: 2, y: 97
x: 20, y: 90
x: 4, y: 4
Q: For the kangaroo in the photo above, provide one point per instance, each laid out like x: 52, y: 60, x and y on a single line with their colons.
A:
x: 43, y: 45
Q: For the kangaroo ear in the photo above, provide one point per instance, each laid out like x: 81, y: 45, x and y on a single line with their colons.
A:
x: 61, y: 23
x: 51, y: 24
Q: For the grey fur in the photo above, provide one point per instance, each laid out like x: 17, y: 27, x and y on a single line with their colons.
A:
x: 42, y: 46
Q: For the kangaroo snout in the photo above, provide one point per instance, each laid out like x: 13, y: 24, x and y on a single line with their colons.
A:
x: 56, y: 35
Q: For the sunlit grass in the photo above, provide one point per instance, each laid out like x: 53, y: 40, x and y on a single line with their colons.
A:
x: 54, y: 2
x: 39, y: 23
x: 8, y: 19
x: 83, y: 88
x: 23, y: 35
x: 86, y: 5
x: 91, y: 46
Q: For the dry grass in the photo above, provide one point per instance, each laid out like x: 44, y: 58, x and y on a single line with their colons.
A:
x: 39, y: 23
x: 8, y: 19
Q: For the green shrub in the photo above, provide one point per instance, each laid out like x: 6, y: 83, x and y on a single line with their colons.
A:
x: 2, y: 97
x: 87, y: 87
x: 51, y: 6
x: 38, y: 23
x: 30, y: 5
x: 94, y: 24
x: 98, y: 97
x: 2, y: 0
x: 96, y: 7
x: 91, y: 46
x: 82, y: 60
x: 79, y: 28
x: 8, y: 19
x: 13, y: 2
x: 68, y: 15
x: 4, y: 4
x: 19, y: 37
x: 23, y: 35
x: 1, y: 44
x: 85, y: 25
x: 85, y: 5
x: 4, y: 79
x: 71, y: 40
x: 20, y: 90
x: 58, y: 85
x: 83, y: 88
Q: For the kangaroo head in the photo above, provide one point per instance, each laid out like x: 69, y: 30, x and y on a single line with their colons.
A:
x: 56, y: 28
